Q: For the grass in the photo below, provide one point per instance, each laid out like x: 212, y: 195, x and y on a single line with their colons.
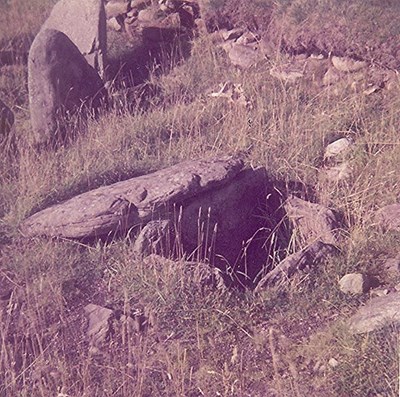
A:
x: 192, y: 339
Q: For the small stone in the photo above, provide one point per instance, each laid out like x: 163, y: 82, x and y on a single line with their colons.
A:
x: 114, y: 9
x: 337, y: 147
x: 379, y: 292
x: 232, y: 34
x: 248, y: 38
x: 338, y: 172
x: 371, y: 90
x: 333, y: 363
x: 288, y: 73
x: 243, y: 56
x: 348, y: 65
x: 392, y: 264
x: 356, y: 283
x: 389, y: 217
x: 113, y: 24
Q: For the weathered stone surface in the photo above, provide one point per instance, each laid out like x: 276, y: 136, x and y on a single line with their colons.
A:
x: 6, y: 119
x: 335, y: 148
x: 287, y: 73
x: 338, y: 172
x: 243, y: 56
x: 212, y: 205
x: 376, y: 314
x: 114, y: 8
x: 84, y: 23
x: 133, y: 202
x: 101, y: 325
x: 356, y: 283
x: 312, y: 221
x: 307, y: 257
x: 392, y: 265
x: 155, y: 238
x: 59, y: 79
x: 389, y: 217
x: 345, y: 64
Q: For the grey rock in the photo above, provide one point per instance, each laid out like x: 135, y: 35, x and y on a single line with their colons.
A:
x: 115, y: 8
x: 212, y: 203
x: 6, y: 119
x: 312, y: 221
x: 243, y: 56
x: 59, y: 80
x: 377, y: 313
x: 356, y: 283
x: 307, y: 257
x: 132, y: 202
x: 348, y: 65
x: 392, y: 264
x: 389, y: 217
x: 84, y: 23
x: 156, y: 237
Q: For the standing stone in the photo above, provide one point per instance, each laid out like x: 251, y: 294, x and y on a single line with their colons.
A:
x: 84, y: 22
x: 6, y: 119
x: 59, y: 79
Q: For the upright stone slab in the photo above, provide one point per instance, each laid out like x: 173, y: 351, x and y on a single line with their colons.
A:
x: 84, y: 22
x: 6, y: 119
x: 59, y: 79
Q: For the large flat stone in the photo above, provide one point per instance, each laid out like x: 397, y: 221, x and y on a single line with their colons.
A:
x: 376, y: 314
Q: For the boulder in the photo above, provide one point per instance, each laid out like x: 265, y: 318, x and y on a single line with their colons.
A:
x: 6, y: 119
x: 59, y: 80
x: 307, y: 257
x: 243, y: 56
x: 84, y: 23
x: 338, y: 147
x: 312, y: 221
x: 213, y: 205
x: 356, y: 283
x: 389, y: 217
x: 377, y: 313
x: 133, y: 202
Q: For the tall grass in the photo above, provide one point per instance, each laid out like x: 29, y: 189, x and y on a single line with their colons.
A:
x: 191, y: 339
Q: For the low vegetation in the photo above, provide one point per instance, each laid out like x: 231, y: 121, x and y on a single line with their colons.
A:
x: 197, y: 341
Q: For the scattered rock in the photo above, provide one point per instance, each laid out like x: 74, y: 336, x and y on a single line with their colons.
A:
x: 101, y: 325
x: 338, y: 147
x: 288, y: 73
x: 232, y: 34
x: 307, y: 257
x: 233, y: 93
x: 377, y: 313
x: 312, y: 221
x: 389, y: 217
x: 348, y: 65
x: 338, y: 172
x: 393, y: 264
x: 114, y: 9
x: 356, y: 283
x: 59, y: 81
x: 84, y: 23
x: 243, y: 56
x: 6, y: 119
x: 372, y: 89
x: 156, y: 237
x: 333, y: 363
x: 113, y: 24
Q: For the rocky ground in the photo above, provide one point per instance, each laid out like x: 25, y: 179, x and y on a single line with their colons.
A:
x: 218, y: 217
